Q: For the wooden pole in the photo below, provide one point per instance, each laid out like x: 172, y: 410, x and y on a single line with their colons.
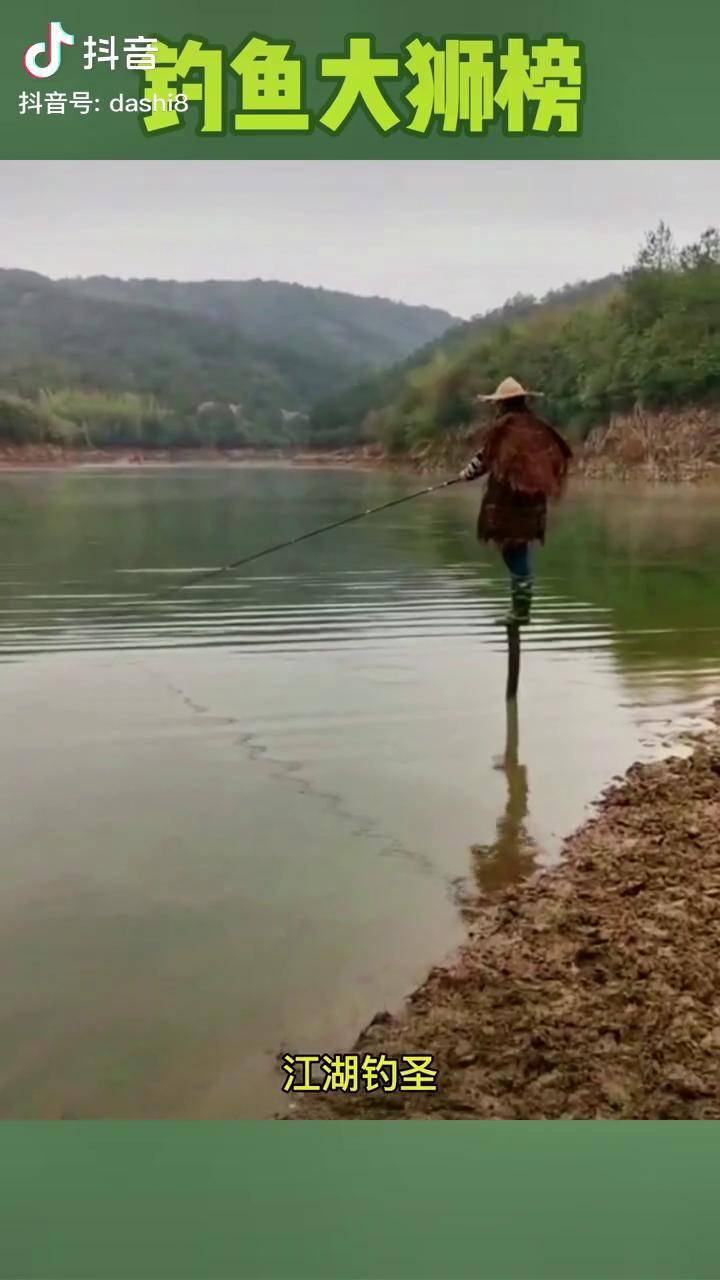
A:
x: 511, y: 758
x: 513, y: 677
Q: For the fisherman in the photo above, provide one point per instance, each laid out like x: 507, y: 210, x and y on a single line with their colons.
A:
x: 526, y: 462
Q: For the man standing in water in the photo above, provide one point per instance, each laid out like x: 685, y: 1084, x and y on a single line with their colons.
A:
x: 526, y: 462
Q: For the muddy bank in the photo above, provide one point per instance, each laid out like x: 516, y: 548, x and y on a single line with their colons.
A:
x: 669, y: 446
x: 659, y: 446
x: 681, y: 445
x: 593, y: 991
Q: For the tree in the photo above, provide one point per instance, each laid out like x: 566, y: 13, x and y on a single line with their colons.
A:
x: 658, y: 252
x: 705, y: 252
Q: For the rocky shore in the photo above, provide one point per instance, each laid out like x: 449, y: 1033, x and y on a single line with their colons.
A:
x: 590, y: 992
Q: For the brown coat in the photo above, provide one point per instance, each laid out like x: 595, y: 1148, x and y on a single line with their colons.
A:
x: 526, y: 461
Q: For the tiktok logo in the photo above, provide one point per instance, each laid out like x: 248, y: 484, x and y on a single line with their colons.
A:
x: 52, y: 51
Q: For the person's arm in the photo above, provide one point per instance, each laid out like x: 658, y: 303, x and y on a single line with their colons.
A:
x: 476, y: 467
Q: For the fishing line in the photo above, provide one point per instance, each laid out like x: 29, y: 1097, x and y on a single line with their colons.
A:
x: 362, y: 827
x: 287, y: 772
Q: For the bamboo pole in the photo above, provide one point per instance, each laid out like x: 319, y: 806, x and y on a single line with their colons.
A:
x: 513, y: 676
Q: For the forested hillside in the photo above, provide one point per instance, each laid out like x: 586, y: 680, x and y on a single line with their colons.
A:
x: 158, y: 362
x: 101, y: 361
x: 649, y: 338
x: 352, y: 414
x: 346, y: 330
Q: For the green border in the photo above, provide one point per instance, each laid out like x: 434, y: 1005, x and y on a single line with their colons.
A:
x: 314, y: 1200
x: 511, y: 1201
x: 651, y: 89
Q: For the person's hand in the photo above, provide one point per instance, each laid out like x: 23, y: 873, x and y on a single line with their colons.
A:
x: 467, y: 472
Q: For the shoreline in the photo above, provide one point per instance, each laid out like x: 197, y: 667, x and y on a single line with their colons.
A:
x: 593, y: 466
x: 57, y: 458
x: 591, y: 991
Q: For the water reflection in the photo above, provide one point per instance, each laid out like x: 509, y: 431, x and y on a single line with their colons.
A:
x: 513, y: 854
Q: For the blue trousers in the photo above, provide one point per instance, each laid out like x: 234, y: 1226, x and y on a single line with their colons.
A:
x: 517, y: 560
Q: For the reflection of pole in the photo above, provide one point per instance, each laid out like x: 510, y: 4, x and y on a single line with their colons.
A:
x: 511, y: 759
x: 510, y: 826
x: 513, y: 634
x: 511, y: 856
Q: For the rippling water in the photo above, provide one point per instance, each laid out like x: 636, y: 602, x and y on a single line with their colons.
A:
x: 243, y: 816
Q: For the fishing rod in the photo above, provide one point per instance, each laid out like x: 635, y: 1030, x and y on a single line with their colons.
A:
x: 207, y: 574
x: 513, y: 631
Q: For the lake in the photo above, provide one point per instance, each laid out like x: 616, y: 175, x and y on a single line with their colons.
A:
x: 240, y: 818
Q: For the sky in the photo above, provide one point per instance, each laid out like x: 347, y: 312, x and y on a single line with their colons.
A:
x: 463, y: 236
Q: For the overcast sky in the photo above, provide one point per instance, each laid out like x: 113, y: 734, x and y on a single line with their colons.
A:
x: 458, y: 235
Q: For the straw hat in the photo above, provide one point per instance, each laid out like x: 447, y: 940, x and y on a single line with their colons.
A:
x: 509, y: 389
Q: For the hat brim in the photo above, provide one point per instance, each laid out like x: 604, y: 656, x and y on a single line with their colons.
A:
x: 511, y: 395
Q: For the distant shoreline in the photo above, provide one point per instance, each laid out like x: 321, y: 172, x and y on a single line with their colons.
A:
x: 589, y: 466
x: 56, y: 458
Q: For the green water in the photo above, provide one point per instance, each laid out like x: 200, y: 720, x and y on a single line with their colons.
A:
x: 242, y: 819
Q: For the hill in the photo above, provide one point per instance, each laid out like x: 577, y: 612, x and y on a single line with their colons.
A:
x: 349, y: 331
x: 362, y: 410
x: 257, y: 356
x: 647, y: 339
